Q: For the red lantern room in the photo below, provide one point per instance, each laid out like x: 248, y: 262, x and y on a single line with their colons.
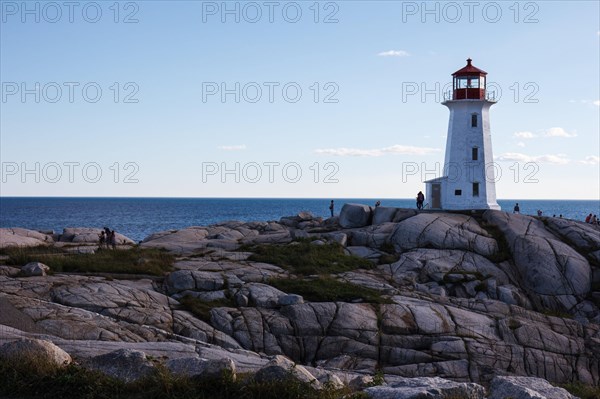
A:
x: 469, y: 83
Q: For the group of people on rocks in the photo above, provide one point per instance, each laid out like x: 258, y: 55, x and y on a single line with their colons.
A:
x: 420, y: 201
x: 107, y: 238
x: 592, y: 219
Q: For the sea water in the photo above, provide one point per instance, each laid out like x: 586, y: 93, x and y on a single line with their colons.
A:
x: 139, y: 217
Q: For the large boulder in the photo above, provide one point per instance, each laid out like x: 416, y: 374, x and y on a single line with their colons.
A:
x: 125, y: 364
x: 258, y: 295
x: 355, y: 215
x: 443, y: 231
x: 375, y: 236
x: 526, y: 388
x: 280, y: 368
x: 427, y: 388
x: 18, y: 237
x: 35, y: 350
x: 384, y: 214
x: 179, y: 241
x: 193, y: 366
x: 34, y: 269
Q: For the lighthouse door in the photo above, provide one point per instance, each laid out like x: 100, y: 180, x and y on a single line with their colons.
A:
x: 436, y: 196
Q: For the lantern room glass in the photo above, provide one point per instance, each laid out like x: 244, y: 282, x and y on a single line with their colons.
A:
x: 469, y: 82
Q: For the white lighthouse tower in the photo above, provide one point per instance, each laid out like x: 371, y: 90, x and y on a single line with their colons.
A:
x: 468, y: 180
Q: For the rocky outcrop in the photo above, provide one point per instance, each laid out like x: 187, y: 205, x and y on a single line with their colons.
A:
x: 125, y: 364
x: 177, y: 240
x: 426, y: 388
x: 84, y: 235
x: 461, y: 297
x: 80, y: 236
x: 17, y: 237
x: 34, y: 269
x: 554, y: 274
x: 281, y: 369
x: 227, y: 236
x: 526, y: 388
x: 196, y: 367
x: 355, y: 215
x: 443, y: 231
x: 35, y: 350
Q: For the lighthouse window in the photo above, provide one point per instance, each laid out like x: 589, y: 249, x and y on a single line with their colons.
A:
x: 457, y: 192
x: 467, y: 82
x: 475, y: 189
x: 474, y: 154
x: 474, y: 120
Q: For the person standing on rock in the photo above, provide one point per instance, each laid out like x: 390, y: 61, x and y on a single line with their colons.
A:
x: 377, y: 204
x: 107, y: 237
x: 102, y: 239
x: 516, y: 209
x: 420, y: 200
x: 588, y: 219
x: 331, y: 206
x: 113, y: 240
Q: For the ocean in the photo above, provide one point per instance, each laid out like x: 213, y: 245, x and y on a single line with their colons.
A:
x: 139, y: 217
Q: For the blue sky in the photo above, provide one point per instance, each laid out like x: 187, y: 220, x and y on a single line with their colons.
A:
x: 161, y: 127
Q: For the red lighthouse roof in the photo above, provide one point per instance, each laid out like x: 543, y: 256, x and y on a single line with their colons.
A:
x: 469, y: 70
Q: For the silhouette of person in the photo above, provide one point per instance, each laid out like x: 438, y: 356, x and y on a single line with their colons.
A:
x: 331, y: 207
x: 113, y: 240
x: 420, y: 200
x: 102, y: 239
x: 516, y: 209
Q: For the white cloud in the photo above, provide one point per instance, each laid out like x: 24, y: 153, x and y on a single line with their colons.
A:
x: 394, y: 53
x: 558, y: 132
x: 520, y: 144
x: 597, y: 102
x: 377, y: 152
x: 551, y: 132
x: 558, y: 159
x: 591, y: 160
x: 525, y: 135
x: 232, y: 147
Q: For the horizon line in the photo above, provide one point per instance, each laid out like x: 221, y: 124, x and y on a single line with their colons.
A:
x: 279, y: 198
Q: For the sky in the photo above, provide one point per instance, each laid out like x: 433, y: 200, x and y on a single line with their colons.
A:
x: 291, y: 99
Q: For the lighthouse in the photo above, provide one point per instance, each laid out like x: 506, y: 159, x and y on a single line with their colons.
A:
x: 468, y: 180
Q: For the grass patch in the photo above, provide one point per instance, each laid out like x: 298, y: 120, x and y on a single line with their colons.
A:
x: 328, y: 289
x: 201, y: 309
x: 134, y: 261
x: 582, y: 390
x: 26, y: 378
x: 302, y: 257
